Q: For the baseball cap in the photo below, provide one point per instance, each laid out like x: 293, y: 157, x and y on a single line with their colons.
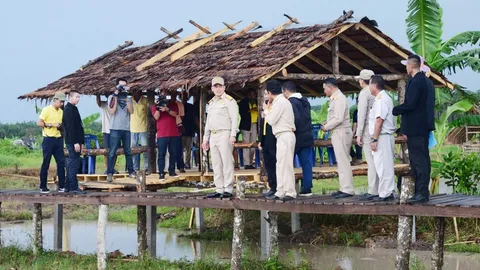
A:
x: 365, y: 74
x: 59, y: 96
x: 423, y: 67
x: 218, y: 80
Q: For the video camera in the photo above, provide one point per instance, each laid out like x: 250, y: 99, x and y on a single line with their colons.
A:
x: 123, y: 89
x: 161, y: 101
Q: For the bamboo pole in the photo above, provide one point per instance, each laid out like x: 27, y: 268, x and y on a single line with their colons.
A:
x: 455, y: 225
x: 37, y: 229
x: 238, y: 228
x: 101, y: 237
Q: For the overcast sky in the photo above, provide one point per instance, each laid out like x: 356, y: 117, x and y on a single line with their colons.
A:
x: 42, y: 41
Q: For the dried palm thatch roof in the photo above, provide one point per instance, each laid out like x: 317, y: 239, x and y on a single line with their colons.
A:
x: 295, y: 50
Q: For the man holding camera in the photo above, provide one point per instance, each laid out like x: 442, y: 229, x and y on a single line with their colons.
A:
x: 165, y: 112
x: 220, y: 133
x: 50, y: 121
x: 120, y: 108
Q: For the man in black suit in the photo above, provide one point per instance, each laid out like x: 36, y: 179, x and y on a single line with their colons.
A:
x: 416, y: 125
x: 267, y: 143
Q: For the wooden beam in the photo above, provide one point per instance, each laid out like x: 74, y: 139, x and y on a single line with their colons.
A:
x: 399, y: 52
x: 169, y: 50
x: 369, y: 54
x: 197, y: 44
x: 154, y: 45
x: 268, y: 35
x: 169, y: 33
x: 344, y: 57
x: 353, y: 63
x: 243, y: 31
x: 341, y: 78
x: 327, y: 67
x: 335, y: 61
x: 201, y: 28
x: 306, y: 87
x: 303, y: 53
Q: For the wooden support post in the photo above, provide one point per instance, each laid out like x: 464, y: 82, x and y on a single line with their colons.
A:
x: 264, y: 234
x: 152, y: 231
x: 141, y: 218
x: 273, y: 228
x: 58, y: 227
x: 37, y: 229
x: 404, y: 235
x: 335, y: 61
x: 101, y: 237
x: 203, y: 119
x: 238, y: 228
x: 152, y: 145
x: 295, y: 217
x: 1, y: 245
x: 199, y: 220
x: 438, y: 244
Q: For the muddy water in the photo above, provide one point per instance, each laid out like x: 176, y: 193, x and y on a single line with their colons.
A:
x: 80, y: 237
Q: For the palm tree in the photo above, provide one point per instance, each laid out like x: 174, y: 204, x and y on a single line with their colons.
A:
x: 424, y: 32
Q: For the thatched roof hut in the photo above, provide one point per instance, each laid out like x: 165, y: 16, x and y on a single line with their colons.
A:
x: 304, y: 54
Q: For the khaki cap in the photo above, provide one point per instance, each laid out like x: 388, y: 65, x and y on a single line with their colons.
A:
x: 218, y: 80
x: 59, y: 96
x: 365, y: 74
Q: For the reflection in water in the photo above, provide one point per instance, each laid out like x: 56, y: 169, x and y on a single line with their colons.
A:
x: 81, y: 237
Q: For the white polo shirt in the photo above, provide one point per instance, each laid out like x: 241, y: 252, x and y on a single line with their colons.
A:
x: 382, y: 107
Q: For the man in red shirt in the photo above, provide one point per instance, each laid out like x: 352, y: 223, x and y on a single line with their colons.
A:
x: 167, y: 135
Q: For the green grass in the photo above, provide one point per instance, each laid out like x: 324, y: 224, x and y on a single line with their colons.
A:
x: 327, y: 185
x: 15, y: 258
x: 472, y: 248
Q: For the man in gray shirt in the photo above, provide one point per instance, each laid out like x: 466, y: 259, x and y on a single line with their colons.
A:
x: 120, y: 108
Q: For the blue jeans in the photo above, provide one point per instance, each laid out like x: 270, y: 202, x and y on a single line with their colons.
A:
x: 304, y: 155
x: 73, y: 166
x: 172, y: 144
x: 139, y: 139
x: 115, y: 137
x: 180, y: 163
x: 52, y: 147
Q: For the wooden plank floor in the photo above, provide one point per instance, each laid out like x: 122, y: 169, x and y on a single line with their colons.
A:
x: 123, y: 182
x: 439, y: 205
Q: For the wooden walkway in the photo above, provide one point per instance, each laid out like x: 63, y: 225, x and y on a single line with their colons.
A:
x: 439, y: 205
x: 123, y: 183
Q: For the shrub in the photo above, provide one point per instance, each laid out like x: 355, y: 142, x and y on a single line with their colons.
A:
x: 462, y: 172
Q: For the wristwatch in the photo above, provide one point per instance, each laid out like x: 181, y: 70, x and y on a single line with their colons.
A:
x: 374, y: 140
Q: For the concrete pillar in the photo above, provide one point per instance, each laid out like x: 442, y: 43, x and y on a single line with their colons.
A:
x: 58, y: 227
x: 199, y: 220
x: 152, y: 231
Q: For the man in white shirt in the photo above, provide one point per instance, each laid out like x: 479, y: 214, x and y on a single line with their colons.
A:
x: 382, y: 126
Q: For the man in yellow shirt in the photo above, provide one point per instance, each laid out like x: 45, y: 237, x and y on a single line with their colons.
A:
x: 50, y: 121
x: 138, y: 128
x: 248, y: 125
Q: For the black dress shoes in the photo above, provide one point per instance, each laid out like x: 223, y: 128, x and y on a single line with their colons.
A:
x: 417, y: 199
x: 343, y: 195
x: 214, y: 195
x: 270, y: 193
x: 368, y: 197
x: 384, y: 199
x: 287, y: 198
x: 338, y: 192
x: 226, y: 195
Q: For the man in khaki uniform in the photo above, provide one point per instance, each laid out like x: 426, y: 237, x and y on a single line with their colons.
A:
x: 365, y: 103
x: 280, y: 116
x: 220, y: 134
x: 381, y: 129
x: 338, y: 123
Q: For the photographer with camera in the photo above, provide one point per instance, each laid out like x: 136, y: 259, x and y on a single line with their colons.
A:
x: 165, y: 112
x: 120, y: 108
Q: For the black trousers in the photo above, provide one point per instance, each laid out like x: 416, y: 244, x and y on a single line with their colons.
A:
x: 419, y: 163
x: 356, y: 152
x: 270, y: 159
